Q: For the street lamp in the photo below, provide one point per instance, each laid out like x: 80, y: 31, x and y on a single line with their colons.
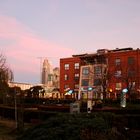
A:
x: 16, y: 113
x: 89, y: 99
x: 69, y: 92
x: 123, y: 97
x: 15, y: 110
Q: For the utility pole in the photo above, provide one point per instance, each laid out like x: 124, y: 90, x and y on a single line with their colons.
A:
x: 16, y: 123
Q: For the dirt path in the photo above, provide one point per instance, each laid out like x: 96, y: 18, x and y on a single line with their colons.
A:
x: 7, y: 122
x: 6, y: 129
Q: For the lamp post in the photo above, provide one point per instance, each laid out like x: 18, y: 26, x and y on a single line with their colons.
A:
x: 16, y: 92
x: 123, y: 97
x: 15, y: 110
x: 89, y: 99
x: 18, y: 108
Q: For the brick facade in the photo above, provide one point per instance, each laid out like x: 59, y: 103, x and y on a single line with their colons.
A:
x: 69, y: 74
x: 122, y: 65
x: 123, y: 69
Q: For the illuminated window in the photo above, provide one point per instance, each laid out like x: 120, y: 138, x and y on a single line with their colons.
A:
x: 66, y: 77
x: 76, y: 76
x: 76, y: 65
x: 66, y: 66
x: 132, y: 85
x: 118, y: 86
x: 118, y: 73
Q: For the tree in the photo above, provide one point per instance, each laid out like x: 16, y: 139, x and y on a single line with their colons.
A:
x: 100, y: 72
x: 5, y: 76
x: 125, y: 77
x: 35, y: 91
x: 104, y: 79
x: 129, y: 78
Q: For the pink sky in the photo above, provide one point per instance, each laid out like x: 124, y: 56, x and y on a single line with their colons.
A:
x: 60, y: 28
x: 23, y: 47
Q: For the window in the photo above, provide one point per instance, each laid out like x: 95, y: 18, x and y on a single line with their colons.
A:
x: 118, y: 86
x: 76, y: 86
x: 50, y: 77
x: 66, y: 66
x: 97, y: 70
x: 85, y: 82
x: 97, y: 82
x: 85, y: 71
x: 118, y: 73
x: 131, y: 60
x: 118, y: 61
x: 76, y: 76
x: 132, y: 85
x: 76, y: 65
x: 66, y: 86
x: 131, y: 73
x: 66, y: 77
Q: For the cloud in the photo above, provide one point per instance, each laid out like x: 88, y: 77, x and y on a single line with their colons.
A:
x: 22, y: 47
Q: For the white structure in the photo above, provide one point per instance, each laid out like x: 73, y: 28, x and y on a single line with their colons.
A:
x: 56, y: 77
x: 47, y: 73
x: 50, y: 80
x: 23, y: 86
x: 91, y: 76
x: 50, y: 76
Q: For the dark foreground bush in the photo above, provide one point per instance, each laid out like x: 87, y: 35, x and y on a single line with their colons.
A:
x: 74, y: 127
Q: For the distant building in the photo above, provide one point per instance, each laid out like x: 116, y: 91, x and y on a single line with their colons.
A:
x: 50, y: 79
x: 23, y: 86
x: 56, y: 77
x: 47, y: 73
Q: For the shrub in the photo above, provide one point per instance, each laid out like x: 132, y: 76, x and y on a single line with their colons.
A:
x: 68, y: 127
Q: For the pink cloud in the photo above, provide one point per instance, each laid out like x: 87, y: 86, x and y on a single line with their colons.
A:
x: 23, y: 47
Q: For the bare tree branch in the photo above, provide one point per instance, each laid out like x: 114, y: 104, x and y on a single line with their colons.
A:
x: 6, y: 74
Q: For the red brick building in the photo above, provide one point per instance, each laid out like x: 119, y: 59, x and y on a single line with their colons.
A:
x: 117, y: 69
x: 69, y: 74
x: 124, y: 70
